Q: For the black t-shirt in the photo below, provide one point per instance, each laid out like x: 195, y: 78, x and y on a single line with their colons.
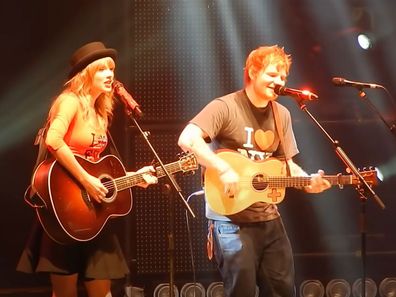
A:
x: 233, y: 122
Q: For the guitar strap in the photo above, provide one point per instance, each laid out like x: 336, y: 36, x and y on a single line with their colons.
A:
x: 113, y: 148
x: 279, y: 129
x: 40, y: 141
x: 30, y: 194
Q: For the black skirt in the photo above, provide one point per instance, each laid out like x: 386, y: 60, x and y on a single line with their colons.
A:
x: 99, y: 258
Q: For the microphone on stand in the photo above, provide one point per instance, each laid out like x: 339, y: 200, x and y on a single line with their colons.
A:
x: 342, y: 82
x: 300, y: 94
x: 127, y: 98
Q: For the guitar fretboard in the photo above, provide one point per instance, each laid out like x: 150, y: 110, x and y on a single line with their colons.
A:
x: 301, y: 181
x: 129, y: 181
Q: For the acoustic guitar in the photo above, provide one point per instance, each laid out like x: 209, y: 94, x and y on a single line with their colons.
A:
x: 66, y: 211
x: 264, y: 181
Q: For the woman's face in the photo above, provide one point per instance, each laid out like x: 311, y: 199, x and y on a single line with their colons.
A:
x: 103, y: 77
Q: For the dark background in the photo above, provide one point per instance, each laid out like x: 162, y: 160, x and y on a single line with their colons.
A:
x: 174, y: 57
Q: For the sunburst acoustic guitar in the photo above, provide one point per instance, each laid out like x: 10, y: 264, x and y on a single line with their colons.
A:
x: 66, y: 211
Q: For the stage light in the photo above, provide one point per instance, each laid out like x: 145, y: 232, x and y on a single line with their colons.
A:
x: 215, y: 289
x: 371, y: 288
x: 387, y: 287
x: 365, y: 40
x: 192, y: 290
x: 338, y: 288
x: 162, y: 290
x: 311, y: 288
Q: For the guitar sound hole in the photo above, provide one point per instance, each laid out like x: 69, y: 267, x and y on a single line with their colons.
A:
x: 109, y: 184
x: 259, y: 182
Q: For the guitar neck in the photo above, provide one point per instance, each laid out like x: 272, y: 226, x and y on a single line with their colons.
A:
x: 302, y: 181
x: 129, y: 181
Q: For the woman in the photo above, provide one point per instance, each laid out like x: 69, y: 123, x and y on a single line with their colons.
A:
x: 78, y: 123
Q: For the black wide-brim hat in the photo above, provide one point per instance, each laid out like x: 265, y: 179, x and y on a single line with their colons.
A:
x: 87, y: 54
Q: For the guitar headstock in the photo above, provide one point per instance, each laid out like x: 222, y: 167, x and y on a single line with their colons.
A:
x: 369, y: 175
x: 188, y: 162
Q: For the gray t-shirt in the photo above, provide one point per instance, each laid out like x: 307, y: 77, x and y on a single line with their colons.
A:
x: 233, y: 122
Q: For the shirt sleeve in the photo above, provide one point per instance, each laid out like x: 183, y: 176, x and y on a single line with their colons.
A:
x: 290, y: 145
x: 212, y: 118
x: 62, y: 114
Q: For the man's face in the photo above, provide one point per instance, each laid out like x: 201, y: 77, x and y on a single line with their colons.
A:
x: 265, y: 80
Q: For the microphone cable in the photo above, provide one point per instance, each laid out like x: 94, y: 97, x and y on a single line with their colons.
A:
x: 197, y: 193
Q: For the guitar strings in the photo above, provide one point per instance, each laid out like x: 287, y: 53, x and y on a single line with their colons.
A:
x: 125, y: 181
x: 274, y: 181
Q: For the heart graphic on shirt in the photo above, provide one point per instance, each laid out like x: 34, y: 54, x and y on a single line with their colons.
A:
x: 264, y: 139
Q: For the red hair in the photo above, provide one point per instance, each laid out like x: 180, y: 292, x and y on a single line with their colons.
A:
x: 261, y: 57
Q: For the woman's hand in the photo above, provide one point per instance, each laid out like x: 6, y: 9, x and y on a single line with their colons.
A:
x: 147, y: 175
x: 95, y: 188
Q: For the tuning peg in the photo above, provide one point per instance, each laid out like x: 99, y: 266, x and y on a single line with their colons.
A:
x: 181, y: 154
x: 190, y: 172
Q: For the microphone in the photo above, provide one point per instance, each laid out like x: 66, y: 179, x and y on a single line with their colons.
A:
x: 300, y: 94
x: 127, y: 98
x: 342, y: 82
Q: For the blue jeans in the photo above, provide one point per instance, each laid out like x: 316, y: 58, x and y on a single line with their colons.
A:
x: 254, y: 254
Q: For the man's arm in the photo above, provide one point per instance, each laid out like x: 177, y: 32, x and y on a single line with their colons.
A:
x: 318, y: 183
x: 192, y: 139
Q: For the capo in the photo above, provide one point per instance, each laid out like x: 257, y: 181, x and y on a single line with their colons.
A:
x: 339, y: 181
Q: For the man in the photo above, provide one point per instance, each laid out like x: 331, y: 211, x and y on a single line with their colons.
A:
x: 251, y: 247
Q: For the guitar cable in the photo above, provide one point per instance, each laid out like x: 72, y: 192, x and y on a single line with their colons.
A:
x: 197, y: 193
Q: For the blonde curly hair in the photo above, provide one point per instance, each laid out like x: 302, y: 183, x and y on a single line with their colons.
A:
x: 80, y: 85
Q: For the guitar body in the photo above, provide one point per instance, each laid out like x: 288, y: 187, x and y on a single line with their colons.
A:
x: 69, y: 215
x: 251, y: 188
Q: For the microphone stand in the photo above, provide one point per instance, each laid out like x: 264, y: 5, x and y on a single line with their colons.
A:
x: 363, y: 96
x: 363, y: 189
x: 132, y: 113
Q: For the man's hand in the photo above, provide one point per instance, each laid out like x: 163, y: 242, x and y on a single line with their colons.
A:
x: 318, y: 183
x: 230, y: 180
